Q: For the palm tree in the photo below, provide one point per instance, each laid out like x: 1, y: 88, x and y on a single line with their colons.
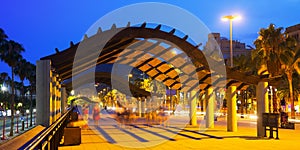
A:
x: 245, y: 64
x: 268, y: 45
x: 284, y: 90
x: 290, y: 60
x: 279, y: 53
x: 18, y: 92
x: 11, y: 54
x: 4, y: 79
x: 21, y: 69
x: 31, y: 77
x: 3, y: 36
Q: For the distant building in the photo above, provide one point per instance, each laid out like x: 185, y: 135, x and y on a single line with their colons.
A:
x: 238, y: 48
x: 294, y: 31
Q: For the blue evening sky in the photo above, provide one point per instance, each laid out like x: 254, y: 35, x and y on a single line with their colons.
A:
x: 42, y: 26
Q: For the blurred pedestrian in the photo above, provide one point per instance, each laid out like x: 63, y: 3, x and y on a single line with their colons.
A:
x: 86, y: 112
x: 96, y: 114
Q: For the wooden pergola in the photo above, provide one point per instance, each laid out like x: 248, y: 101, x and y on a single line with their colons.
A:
x: 162, y: 55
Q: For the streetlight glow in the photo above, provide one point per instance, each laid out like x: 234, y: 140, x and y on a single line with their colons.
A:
x: 72, y: 92
x: 3, y: 88
x: 231, y: 17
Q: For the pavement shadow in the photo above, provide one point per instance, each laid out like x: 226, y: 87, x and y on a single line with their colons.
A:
x: 247, y: 137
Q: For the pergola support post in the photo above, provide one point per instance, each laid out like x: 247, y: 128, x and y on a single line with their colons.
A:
x: 64, y: 99
x: 43, y: 81
x: 262, y: 106
x: 193, y: 107
x: 231, y: 109
x: 210, y: 108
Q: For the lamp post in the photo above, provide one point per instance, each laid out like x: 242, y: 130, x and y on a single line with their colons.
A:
x: 271, y: 100
x: 240, y: 98
x: 3, y: 132
x: 27, y: 114
x: 34, y: 115
x: 18, y: 112
x: 230, y: 18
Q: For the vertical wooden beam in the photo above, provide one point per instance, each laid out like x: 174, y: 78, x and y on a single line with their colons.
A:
x: 43, y: 88
x: 262, y: 106
x: 193, y: 108
x: 231, y: 109
x: 210, y: 108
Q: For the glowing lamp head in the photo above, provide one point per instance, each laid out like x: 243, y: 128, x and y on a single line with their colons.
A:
x: 4, y: 88
x: 231, y: 17
x: 72, y: 92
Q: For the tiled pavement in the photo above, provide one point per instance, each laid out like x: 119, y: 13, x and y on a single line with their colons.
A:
x: 111, y: 136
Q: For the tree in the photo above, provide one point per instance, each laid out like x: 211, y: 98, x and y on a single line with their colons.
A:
x: 3, y: 36
x: 21, y: 69
x: 11, y: 53
x: 31, y: 77
x: 4, y: 79
x: 279, y: 54
x: 290, y: 60
x: 284, y: 90
x: 268, y: 46
x: 245, y: 64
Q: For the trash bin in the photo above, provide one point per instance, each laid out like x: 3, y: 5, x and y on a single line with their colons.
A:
x: 74, y: 116
x: 72, y: 136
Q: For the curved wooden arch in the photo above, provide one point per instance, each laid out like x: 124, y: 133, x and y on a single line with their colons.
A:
x: 62, y: 62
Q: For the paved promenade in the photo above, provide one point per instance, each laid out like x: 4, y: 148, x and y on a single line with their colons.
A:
x: 110, y: 135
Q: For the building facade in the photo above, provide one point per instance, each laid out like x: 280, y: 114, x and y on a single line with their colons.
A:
x: 238, y: 48
x: 294, y: 31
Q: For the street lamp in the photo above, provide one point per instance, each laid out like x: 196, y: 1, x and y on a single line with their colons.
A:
x: 27, y: 114
x: 18, y: 112
x: 230, y: 18
x: 3, y: 88
x: 72, y: 92
x: 3, y: 132
x: 34, y: 115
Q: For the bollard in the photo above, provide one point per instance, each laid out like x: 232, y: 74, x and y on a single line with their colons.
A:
x: 23, y: 124
x: 17, y: 124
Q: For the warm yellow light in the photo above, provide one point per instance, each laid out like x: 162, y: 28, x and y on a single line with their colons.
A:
x: 231, y: 17
x: 130, y: 75
x: 72, y: 92
x: 174, y: 52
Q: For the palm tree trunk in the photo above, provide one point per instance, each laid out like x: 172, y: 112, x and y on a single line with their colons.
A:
x: 31, y: 104
x: 290, y: 80
x: 12, y: 105
x: 22, y: 97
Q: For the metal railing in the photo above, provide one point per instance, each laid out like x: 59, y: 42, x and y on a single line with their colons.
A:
x: 49, y: 138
